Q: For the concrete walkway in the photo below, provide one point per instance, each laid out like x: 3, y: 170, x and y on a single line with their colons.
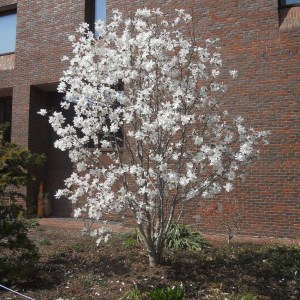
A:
x: 78, y: 224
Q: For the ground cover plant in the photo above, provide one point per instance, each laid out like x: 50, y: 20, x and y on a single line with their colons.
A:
x: 73, y: 267
x: 147, y: 97
x: 181, y: 237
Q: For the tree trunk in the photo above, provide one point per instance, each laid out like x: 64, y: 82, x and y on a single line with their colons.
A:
x: 154, y: 253
x: 154, y: 259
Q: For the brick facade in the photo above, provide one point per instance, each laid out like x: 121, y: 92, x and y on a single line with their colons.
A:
x: 258, y: 39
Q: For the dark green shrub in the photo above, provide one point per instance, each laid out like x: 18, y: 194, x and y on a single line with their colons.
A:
x: 181, y: 237
x: 14, y: 165
x: 18, y: 255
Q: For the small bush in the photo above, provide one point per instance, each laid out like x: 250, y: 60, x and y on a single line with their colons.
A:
x: 32, y: 223
x: 226, y: 215
x: 181, y: 237
x: 18, y: 255
x: 167, y: 293
x: 131, y: 239
x: 247, y: 296
x: 130, y: 243
x: 134, y: 294
x: 159, y: 293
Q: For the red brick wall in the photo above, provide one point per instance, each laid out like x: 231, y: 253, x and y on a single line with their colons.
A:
x: 257, y: 39
x: 257, y: 42
x: 6, y: 74
x: 42, y: 30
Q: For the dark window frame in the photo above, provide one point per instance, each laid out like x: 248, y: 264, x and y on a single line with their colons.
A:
x: 90, y: 14
x: 7, y: 53
x: 12, y: 10
x: 90, y: 7
x: 280, y: 5
x: 6, y: 115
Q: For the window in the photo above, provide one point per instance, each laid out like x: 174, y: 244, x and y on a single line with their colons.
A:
x: 8, y: 29
x: 285, y: 3
x: 100, y: 10
x: 95, y: 10
x: 5, y: 114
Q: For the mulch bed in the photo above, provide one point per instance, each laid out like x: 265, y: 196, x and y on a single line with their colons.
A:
x: 73, y: 267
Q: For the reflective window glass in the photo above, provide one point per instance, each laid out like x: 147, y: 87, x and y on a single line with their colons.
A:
x: 8, y: 30
x: 100, y: 10
x: 289, y: 2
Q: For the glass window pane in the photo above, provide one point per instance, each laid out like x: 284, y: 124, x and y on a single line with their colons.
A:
x: 8, y: 29
x: 100, y: 10
x: 288, y: 2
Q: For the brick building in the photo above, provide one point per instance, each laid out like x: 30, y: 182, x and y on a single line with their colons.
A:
x: 259, y: 38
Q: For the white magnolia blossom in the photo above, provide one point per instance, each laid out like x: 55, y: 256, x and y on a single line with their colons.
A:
x: 161, y: 141
x: 42, y: 112
x: 233, y: 73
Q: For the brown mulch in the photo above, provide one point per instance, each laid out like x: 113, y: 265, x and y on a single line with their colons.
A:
x: 72, y: 267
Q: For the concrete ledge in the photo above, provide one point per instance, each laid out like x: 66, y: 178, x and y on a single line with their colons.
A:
x: 7, y: 62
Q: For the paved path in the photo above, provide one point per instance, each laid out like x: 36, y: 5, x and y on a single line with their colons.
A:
x: 78, y: 224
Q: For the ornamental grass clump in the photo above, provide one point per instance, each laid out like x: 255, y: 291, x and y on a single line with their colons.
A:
x: 158, y: 293
x: 166, y: 293
x: 181, y: 237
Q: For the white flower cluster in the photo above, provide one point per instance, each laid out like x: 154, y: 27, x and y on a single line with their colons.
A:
x: 165, y: 139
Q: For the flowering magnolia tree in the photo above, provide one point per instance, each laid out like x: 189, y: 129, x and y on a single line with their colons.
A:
x: 166, y: 135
